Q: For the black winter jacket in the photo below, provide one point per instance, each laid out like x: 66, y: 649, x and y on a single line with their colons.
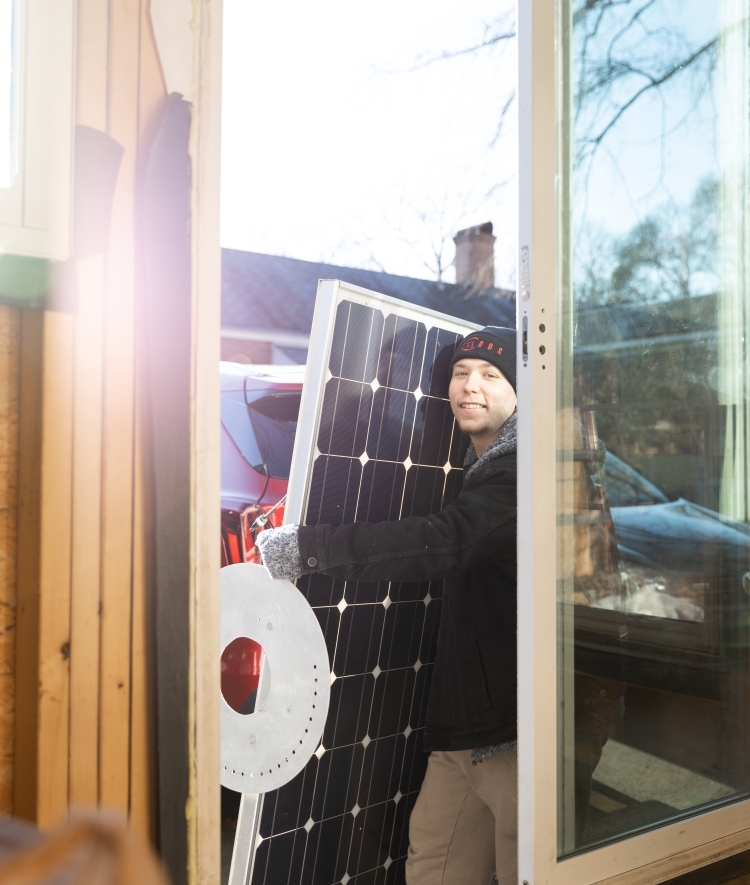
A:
x: 472, y: 544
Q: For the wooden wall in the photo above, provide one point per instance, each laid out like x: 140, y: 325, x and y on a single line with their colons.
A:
x: 83, y: 736
x: 84, y: 688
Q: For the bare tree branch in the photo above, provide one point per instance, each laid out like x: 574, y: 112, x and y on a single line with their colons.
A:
x: 490, y: 39
x: 653, y: 83
x: 501, y: 119
x: 600, y: 6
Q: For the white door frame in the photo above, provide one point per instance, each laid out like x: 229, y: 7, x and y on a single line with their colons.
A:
x: 665, y: 851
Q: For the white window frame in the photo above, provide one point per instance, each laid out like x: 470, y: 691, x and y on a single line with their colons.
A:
x: 35, y: 212
x: 668, y: 850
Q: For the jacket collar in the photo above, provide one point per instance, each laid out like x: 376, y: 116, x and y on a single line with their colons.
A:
x: 503, y: 444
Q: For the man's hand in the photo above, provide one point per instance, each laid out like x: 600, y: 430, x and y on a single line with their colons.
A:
x: 280, y: 552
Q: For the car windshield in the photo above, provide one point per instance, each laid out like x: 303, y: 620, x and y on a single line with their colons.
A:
x: 274, y: 421
x: 626, y: 487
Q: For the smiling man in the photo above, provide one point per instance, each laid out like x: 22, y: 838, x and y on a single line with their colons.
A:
x: 463, y: 826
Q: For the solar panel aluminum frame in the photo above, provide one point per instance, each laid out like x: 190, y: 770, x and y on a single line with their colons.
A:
x: 330, y: 294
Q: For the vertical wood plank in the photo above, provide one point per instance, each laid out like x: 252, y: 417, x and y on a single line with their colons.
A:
x: 54, y: 567
x: 205, y: 149
x: 143, y: 762
x: 117, y: 409
x: 91, y: 110
x: 27, y: 611
x: 91, y: 63
x: 86, y: 525
x: 152, y: 88
x: 9, y: 394
x: 167, y: 298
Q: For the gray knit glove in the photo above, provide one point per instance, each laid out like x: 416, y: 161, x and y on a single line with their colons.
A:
x: 279, y: 550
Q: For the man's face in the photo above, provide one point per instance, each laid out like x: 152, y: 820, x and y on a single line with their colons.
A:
x: 481, y: 397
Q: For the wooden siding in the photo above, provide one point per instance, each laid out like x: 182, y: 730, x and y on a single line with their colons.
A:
x: 78, y: 703
x: 78, y: 738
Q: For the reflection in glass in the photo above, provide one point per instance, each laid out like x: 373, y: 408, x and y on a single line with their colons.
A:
x: 654, y: 418
x: 274, y: 421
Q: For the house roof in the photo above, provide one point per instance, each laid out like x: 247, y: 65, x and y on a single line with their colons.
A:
x: 601, y: 326
x: 276, y: 294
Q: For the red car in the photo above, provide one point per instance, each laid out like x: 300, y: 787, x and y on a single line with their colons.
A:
x: 259, y: 409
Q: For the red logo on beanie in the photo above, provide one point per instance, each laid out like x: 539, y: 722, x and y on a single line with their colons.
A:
x: 475, y: 342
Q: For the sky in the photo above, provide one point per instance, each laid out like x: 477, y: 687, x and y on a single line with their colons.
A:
x: 666, y: 143
x: 346, y: 139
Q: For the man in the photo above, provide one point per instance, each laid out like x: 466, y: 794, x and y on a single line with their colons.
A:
x: 463, y: 827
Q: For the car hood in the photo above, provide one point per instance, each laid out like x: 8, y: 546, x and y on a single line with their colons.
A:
x: 681, y: 536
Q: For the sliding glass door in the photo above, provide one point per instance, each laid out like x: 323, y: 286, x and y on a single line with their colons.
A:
x: 635, y: 594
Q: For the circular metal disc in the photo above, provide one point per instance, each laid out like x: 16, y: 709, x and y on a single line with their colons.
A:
x: 264, y: 750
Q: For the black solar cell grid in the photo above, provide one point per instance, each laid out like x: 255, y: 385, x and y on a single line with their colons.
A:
x: 386, y: 447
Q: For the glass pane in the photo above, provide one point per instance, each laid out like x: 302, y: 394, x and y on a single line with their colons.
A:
x: 654, y: 420
x: 9, y: 81
x: 274, y: 420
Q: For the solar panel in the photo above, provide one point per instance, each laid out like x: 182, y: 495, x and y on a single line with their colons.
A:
x: 376, y: 440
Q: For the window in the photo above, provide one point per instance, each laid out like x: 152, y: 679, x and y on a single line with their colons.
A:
x: 36, y: 127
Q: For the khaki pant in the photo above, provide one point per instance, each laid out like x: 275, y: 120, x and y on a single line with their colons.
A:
x: 463, y: 827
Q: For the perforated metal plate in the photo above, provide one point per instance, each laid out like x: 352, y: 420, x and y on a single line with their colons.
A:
x: 264, y: 750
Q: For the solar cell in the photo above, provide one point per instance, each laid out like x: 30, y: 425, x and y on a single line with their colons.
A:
x: 376, y: 440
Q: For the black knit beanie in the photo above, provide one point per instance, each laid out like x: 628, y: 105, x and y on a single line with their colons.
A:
x: 495, y: 344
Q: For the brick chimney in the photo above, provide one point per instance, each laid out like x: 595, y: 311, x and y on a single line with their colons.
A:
x: 475, y: 255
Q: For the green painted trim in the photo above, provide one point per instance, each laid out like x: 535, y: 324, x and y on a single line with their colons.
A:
x: 24, y: 282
